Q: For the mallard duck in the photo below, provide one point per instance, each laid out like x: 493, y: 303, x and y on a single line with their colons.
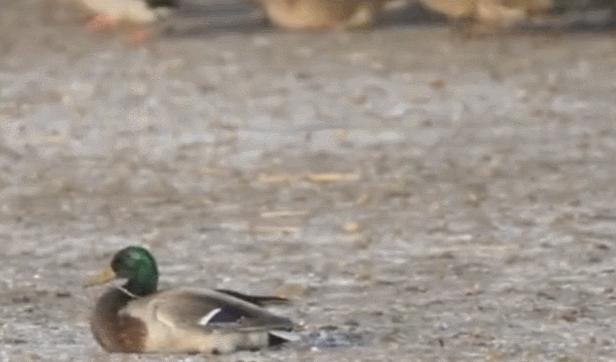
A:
x: 109, y: 13
x: 321, y: 14
x: 136, y: 318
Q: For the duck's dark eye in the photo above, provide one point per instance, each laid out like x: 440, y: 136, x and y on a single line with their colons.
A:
x: 116, y: 264
x: 123, y: 261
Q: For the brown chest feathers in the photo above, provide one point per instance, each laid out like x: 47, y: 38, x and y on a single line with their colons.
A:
x: 117, y: 332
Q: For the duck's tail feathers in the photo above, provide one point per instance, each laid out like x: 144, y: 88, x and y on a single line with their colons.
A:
x: 277, y: 337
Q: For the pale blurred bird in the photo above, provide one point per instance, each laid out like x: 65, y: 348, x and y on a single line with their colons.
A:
x: 499, y: 13
x: 322, y: 14
x: 110, y: 13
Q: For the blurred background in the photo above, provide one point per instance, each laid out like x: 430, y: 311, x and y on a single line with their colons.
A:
x: 429, y: 180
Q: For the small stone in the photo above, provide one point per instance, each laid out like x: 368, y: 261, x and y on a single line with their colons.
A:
x: 350, y: 227
x: 21, y: 299
x: 290, y: 290
x: 63, y: 294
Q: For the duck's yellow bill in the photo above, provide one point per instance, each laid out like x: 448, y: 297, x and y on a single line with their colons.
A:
x: 103, y: 277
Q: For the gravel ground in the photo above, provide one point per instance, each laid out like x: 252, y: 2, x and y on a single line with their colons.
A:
x: 425, y: 197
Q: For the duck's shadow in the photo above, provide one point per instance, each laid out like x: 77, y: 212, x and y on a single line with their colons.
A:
x: 331, y: 337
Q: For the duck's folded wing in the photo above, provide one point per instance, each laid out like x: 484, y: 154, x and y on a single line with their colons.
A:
x: 213, y: 310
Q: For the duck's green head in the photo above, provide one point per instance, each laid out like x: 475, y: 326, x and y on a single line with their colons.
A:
x: 134, y: 263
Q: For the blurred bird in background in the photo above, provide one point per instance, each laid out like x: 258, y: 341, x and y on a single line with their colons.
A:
x: 321, y: 14
x: 489, y: 13
x: 138, y: 14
